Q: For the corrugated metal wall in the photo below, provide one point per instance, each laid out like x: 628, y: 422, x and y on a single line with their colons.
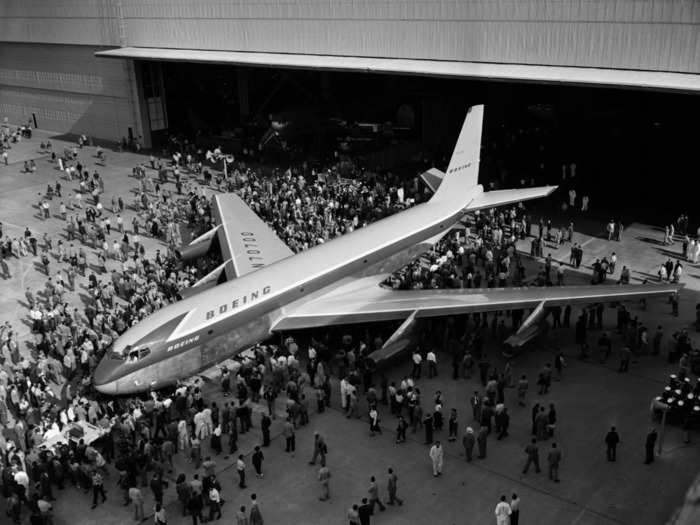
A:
x: 76, y: 92
x: 629, y: 34
x: 84, y: 22
x: 67, y: 87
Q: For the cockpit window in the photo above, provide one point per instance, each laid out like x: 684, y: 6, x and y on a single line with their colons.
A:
x: 134, y: 354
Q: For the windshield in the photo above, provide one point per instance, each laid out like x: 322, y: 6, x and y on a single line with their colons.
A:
x: 134, y: 354
x: 129, y: 353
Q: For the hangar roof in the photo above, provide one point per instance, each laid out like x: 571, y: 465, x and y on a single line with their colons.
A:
x: 661, y: 81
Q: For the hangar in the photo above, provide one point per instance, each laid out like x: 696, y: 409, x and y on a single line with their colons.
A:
x: 612, y: 77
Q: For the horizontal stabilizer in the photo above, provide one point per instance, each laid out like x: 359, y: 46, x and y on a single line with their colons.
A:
x: 245, y: 239
x: 491, y: 199
x: 432, y: 178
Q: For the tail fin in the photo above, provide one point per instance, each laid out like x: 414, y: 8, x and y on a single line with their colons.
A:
x: 462, y: 174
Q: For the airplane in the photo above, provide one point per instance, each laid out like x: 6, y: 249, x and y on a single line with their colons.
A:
x: 266, y: 288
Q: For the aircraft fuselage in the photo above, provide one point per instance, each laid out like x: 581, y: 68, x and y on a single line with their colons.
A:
x: 205, y: 329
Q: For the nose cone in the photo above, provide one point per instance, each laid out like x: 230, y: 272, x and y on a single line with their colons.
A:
x: 106, y: 375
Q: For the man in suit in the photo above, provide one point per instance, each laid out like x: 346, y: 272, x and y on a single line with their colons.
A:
x: 481, y: 441
x: 374, y: 495
x: 553, y: 460
x: 468, y: 442
x: 391, y: 488
x: 364, y: 512
x: 533, y: 456
x: 612, y: 439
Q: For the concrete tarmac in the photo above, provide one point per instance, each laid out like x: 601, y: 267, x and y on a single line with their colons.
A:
x: 590, y: 398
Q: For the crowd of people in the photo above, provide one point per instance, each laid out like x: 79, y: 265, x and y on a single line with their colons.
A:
x: 51, y: 391
x: 46, y: 393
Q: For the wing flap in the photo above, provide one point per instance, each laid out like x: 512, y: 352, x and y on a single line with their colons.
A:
x: 245, y: 239
x: 377, y: 303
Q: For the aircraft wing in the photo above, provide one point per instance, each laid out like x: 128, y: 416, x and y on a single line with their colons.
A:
x: 491, y: 199
x: 247, y: 242
x: 377, y: 303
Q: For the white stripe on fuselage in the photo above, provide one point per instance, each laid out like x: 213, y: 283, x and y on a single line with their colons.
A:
x: 313, y: 264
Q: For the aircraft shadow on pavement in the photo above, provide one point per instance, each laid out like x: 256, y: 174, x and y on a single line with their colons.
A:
x: 650, y: 240
x: 669, y: 253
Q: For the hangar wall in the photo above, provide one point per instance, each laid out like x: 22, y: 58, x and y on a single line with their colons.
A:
x: 76, y: 92
x: 67, y: 88
x: 629, y: 34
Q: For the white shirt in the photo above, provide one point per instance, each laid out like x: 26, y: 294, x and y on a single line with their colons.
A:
x: 503, y: 511
x: 417, y: 358
x: 431, y: 357
x: 21, y: 478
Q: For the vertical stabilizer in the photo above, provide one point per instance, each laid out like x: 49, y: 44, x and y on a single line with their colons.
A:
x: 463, y: 171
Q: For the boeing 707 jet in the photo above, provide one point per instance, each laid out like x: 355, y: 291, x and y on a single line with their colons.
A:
x: 269, y: 288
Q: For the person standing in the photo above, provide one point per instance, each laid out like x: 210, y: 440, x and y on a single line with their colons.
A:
x: 136, y: 499
x: 265, y: 424
x: 257, y: 460
x: 195, y: 506
x: 353, y: 515
x: 240, y: 468
x: 553, y: 460
x: 514, y: 509
x: 625, y: 357
x: 428, y: 424
x: 417, y: 365
x: 522, y: 390
x: 289, y: 436
x: 436, y: 456
x: 214, y: 504
x: 468, y: 442
x: 533, y: 456
x: 401, y: 427
x: 255, y: 514
x: 452, y: 425
x: 481, y: 441
x: 649, y: 446
x: 159, y: 516
x: 364, y: 512
x: 476, y: 402
x: 431, y: 358
x: 324, y: 476
x: 392, y: 485
x: 374, y: 495
x: 612, y: 439
x: 503, y: 512
x: 97, y: 488
x: 374, y: 421
x: 242, y: 517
